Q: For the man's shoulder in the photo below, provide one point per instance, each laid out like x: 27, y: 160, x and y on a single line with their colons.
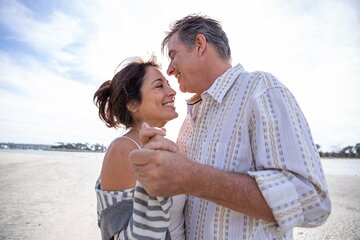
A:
x: 261, y: 74
x: 257, y: 83
x: 263, y: 79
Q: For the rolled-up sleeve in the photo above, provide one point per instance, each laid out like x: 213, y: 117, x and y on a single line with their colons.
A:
x: 287, y: 166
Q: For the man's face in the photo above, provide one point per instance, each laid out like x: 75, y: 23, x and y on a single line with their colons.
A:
x: 183, y: 64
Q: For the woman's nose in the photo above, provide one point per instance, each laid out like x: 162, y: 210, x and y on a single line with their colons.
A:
x: 171, y: 92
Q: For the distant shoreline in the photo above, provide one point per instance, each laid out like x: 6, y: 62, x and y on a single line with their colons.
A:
x: 339, y: 158
x: 52, y: 150
x: 65, y: 147
x: 91, y: 151
x: 71, y: 150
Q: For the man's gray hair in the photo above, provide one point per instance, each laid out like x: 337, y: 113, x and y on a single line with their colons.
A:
x: 192, y: 25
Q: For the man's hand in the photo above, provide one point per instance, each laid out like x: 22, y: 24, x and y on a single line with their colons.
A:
x: 159, y: 166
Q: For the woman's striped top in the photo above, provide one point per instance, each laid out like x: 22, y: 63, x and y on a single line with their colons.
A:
x: 132, y: 214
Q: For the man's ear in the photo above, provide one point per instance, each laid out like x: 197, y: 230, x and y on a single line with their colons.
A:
x: 200, y: 43
x: 132, y: 106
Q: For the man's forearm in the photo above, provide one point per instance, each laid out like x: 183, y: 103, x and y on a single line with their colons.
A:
x: 232, y: 190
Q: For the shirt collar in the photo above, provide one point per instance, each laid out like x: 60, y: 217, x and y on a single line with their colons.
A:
x: 223, y: 83
x: 193, y: 100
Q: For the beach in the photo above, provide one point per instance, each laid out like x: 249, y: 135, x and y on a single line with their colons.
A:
x: 344, y: 221
x: 51, y: 196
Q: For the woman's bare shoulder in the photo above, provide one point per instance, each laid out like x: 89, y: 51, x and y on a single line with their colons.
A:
x: 116, y: 173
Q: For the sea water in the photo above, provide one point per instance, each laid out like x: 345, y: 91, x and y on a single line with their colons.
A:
x: 334, y: 166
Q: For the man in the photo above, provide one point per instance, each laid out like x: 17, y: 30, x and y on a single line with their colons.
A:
x: 246, y: 157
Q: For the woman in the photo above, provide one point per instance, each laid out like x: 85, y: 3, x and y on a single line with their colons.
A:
x: 138, y: 93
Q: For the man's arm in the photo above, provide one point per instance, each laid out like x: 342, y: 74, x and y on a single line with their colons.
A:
x: 236, y: 191
x: 165, y: 173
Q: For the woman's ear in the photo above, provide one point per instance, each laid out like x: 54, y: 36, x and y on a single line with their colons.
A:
x: 132, y: 106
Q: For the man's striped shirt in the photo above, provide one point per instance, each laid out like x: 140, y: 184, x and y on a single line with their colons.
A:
x: 250, y: 123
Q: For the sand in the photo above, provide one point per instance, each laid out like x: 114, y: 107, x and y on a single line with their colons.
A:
x: 344, y: 221
x: 49, y: 198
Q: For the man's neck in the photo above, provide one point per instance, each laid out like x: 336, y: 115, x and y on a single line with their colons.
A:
x: 214, y: 71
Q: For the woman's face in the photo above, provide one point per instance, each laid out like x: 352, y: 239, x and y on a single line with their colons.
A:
x: 157, y: 106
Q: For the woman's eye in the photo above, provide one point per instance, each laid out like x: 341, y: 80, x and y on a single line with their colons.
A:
x: 159, y: 86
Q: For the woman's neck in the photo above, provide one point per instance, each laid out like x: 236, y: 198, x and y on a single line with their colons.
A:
x: 133, y: 133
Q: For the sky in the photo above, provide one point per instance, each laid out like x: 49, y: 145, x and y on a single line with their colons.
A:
x: 55, y: 54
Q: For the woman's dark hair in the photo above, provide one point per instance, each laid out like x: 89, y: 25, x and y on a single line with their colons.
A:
x: 113, y: 96
x: 192, y: 25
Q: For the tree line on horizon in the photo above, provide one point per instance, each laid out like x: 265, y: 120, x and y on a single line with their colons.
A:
x: 59, y: 146
x: 80, y: 147
x: 346, y: 152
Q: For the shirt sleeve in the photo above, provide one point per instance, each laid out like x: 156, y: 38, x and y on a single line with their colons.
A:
x: 287, y: 167
x: 143, y: 217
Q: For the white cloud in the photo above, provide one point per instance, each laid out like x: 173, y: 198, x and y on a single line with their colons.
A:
x: 51, y: 107
x: 313, y: 47
x: 54, y: 33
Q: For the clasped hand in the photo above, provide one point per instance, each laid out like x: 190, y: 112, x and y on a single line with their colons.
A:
x: 159, y: 164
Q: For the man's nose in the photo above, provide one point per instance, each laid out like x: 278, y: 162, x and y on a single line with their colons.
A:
x: 170, y: 70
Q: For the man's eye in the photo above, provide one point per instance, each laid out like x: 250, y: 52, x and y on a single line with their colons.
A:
x: 172, y: 55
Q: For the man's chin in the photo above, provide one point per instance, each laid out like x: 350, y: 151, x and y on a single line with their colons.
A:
x: 182, y: 89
